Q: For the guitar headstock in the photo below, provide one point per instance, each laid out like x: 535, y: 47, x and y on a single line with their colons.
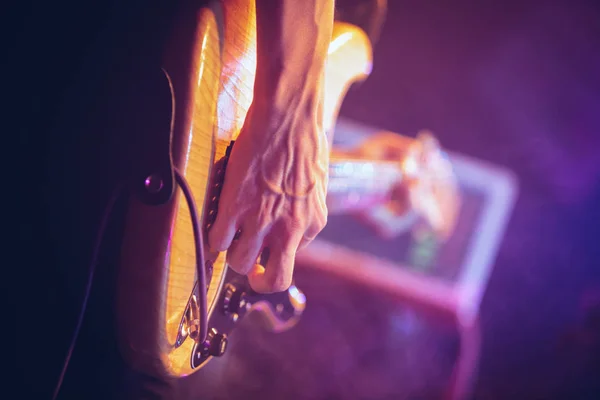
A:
x: 431, y: 183
x: 426, y: 188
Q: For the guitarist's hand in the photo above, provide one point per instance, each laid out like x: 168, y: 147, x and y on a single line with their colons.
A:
x: 276, y: 179
x: 274, y: 194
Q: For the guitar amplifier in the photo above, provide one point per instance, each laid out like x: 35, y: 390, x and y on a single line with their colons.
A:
x: 447, y: 277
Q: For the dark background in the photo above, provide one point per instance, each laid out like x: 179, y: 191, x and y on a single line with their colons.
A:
x: 514, y: 83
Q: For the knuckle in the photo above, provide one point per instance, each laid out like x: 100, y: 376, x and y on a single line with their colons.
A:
x: 322, y: 222
x: 318, y: 224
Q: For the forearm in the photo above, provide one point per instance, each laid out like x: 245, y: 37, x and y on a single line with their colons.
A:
x: 286, y: 117
x: 292, y: 41
x: 275, y: 188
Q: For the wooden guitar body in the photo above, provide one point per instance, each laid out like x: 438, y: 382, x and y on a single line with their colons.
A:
x: 210, y: 62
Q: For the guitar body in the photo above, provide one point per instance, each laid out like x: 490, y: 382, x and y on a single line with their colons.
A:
x: 210, y: 62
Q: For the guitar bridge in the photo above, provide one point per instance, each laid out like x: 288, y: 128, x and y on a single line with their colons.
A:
x: 190, y: 323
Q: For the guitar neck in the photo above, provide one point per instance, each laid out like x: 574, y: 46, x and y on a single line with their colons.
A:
x: 356, y: 184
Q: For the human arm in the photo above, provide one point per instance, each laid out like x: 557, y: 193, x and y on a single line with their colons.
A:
x: 275, y: 185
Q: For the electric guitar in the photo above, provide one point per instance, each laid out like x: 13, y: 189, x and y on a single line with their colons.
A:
x: 207, y: 79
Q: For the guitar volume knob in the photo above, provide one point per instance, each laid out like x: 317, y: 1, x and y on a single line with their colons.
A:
x: 234, y: 301
x: 217, y: 345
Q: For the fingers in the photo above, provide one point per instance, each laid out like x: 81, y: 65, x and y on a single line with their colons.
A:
x: 305, y: 242
x: 243, y: 253
x: 315, y: 228
x: 221, y: 233
x: 308, y: 237
x: 277, y: 275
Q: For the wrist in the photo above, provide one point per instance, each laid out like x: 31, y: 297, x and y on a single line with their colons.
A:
x: 290, y: 87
